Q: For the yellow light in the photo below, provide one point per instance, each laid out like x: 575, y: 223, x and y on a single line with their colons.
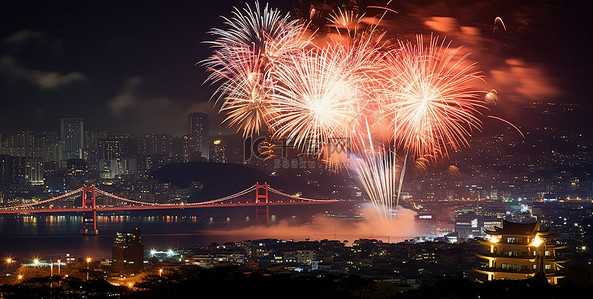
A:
x: 20, y: 277
x: 130, y: 285
x: 537, y: 241
x: 36, y: 261
x: 217, y: 142
x: 9, y: 260
x: 88, y: 259
x: 495, y: 239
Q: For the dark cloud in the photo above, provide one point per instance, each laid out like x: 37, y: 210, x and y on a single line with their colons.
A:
x: 11, y: 72
x: 141, y: 113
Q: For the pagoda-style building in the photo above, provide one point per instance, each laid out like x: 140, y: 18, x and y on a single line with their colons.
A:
x: 520, y: 251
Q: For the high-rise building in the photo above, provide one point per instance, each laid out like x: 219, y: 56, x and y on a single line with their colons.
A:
x: 110, y: 148
x: 127, y: 252
x: 21, y: 144
x: 521, y: 251
x: 199, y: 133
x: 48, y: 146
x: 34, y: 172
x: 11, y: 169
x: 71, y: 138
x: 218, y: 154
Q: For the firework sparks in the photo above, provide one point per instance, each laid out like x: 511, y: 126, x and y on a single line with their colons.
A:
x: 348, y: 20
x: 429, y: 98
x: 245, y: 55
x: 492, y: 97
x: 317, y: 100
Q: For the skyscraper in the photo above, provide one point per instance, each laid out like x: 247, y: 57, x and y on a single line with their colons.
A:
x: 127, y: 252
x: 199, y: 133
x: 71, y: 138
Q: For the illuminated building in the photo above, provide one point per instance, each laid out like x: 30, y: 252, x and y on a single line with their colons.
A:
x: 34, y: 172
x: 10, y: 169
x: 199, y: 133
x: 520, y: 251
x: 71, y: 138
x: 218, y: 154
x: 127, y: 252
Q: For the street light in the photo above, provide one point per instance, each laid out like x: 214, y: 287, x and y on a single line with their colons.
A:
x: 160, y: 272
x: 59, y: 262
x: 36, y: 262
x: 88, y: 260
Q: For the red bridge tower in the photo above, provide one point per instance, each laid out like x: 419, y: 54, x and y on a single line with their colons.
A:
x: 262, y: 210
x: 89, y: 219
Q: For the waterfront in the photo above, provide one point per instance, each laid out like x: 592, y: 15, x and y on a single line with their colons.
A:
x: 47, y: 236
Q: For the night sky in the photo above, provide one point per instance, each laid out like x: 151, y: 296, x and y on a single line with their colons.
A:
x: 131, y: 65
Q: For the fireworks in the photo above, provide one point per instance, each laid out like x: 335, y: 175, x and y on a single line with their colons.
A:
x: 419, y: 97
x: 429, y: 97
x: 245, y: 55
x: 317, y: 101
x: 348, y: 20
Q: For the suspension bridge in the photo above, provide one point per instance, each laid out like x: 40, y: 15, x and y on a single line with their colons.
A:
x: 93, y: 200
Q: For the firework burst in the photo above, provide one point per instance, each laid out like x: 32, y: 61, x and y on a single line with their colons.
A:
x: 429, y: 97
x: 317, y: 100
x: 245, y: 55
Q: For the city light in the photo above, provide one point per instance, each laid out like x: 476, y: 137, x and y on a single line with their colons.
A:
x: 346, y: 138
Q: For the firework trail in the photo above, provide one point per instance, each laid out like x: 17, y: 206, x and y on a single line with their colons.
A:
x: 499, y: 20
x: 377, y: 171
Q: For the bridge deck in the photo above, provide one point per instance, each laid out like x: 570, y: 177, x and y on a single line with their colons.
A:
x: 161, y: 207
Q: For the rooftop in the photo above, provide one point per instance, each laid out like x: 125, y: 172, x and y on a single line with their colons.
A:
x: 512, y: 228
